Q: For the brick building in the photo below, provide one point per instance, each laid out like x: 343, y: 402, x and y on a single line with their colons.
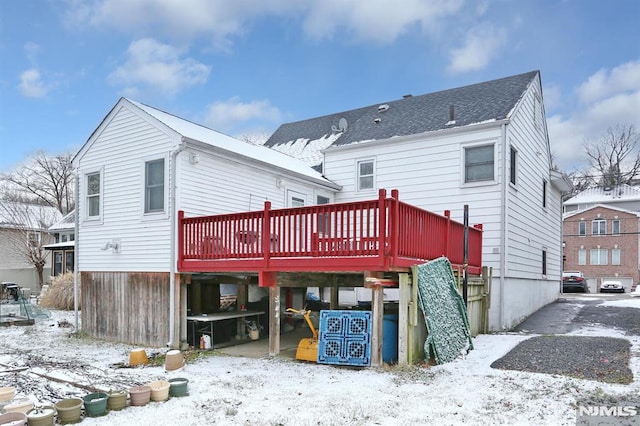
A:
x: 601, y: 241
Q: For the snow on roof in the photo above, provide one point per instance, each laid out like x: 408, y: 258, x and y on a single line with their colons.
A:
x: 214, y: 138
x: 309, y: 151
x: 605, y: 195
x: 66, y: 223
x: 27, y: 216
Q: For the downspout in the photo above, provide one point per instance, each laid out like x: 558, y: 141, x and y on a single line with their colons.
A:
x: 503, y: 224
x: 76, y: 249
x: 172, y: 270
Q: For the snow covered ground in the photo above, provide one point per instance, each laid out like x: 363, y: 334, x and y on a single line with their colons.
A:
x: 227, y: 390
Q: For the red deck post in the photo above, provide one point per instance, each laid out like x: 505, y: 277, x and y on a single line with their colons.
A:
x: 180, y: 239
x: 382, y: 223
x: 394, y: 210
x: 266, y: 234
x: 447, y: 232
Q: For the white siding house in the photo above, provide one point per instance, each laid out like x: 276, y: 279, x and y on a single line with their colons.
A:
x: 485, y: 146
x: 135, y: 172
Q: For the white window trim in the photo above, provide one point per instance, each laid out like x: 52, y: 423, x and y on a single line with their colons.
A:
x: 357, y: 167
x: 85, y: 192
x: 161, y: 214
x: 463, y: 168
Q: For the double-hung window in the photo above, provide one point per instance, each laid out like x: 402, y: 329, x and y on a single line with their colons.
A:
x: 478, y: 163
x: 154, y: 186
x: 599, y: 256
x: 615, y: 227
x: 599, y: 227
x: 582, y: 228
x: 365, y: 175
x: 93, y: 195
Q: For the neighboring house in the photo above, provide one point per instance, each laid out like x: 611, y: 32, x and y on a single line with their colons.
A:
x: 601, y: 229
x: 63, y: 248
x: 623, y: 197
x: 23, y: 233
x: 135, y: 172
x: 486, y: 146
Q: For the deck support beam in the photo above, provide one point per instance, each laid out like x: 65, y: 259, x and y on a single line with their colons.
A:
x: 274, y: 320
x: 377, y: 311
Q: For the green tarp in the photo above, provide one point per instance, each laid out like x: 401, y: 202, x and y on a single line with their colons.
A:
x: 444, y: 312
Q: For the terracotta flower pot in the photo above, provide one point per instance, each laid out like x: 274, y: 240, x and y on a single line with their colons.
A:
x: 140, y: 395
x: 138, y: 357
x: 173, y: 360
x: 69, y: 410
x: 159, y: 390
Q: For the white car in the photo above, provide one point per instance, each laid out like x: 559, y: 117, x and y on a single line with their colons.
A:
x: 612, y: 286
x: 636, y: 292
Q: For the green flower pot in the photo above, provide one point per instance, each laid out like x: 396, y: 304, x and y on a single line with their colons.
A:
x: 178, y: 387
x: 95, y: 404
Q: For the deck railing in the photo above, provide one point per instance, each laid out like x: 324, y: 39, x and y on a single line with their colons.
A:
x: 383, y: 233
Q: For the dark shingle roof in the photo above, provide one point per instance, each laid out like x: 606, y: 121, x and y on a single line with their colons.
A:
x: 491, y: 100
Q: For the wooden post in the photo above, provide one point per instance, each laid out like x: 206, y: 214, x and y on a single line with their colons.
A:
x: 183, y: 316
x: 373, y: 280
x: 274, y: 320
x: 403, y: 318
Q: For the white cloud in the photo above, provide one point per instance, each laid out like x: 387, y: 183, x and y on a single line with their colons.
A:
x: 481, y: 45
x: 232, y: 114
x: 609, y: 99
x: 625, y: 77
x: 31, y: 84
x: 218, y: 20
x: 158, y: 66
x: 375, y: 20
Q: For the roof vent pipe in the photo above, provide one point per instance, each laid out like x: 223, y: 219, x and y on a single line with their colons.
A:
x: 407, y: 96
x: 452, y: 116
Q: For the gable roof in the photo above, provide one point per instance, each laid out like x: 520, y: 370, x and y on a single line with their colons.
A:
x: 190, y: 132
x: 474, y: 104
x: 598, y: 206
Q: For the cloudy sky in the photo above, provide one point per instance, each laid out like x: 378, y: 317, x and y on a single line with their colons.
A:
x: 244, y: 67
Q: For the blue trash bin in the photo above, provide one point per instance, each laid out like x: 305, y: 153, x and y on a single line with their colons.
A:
x: 390, y: 338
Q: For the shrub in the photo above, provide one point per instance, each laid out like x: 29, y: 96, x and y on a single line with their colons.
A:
x: 60, y: 293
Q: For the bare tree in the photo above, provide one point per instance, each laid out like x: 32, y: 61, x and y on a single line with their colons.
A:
x: 615, y: 157
x: 25, y: 231
x: 43, y: 179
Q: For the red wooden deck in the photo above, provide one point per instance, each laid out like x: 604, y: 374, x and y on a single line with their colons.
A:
x: 377, y: 235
